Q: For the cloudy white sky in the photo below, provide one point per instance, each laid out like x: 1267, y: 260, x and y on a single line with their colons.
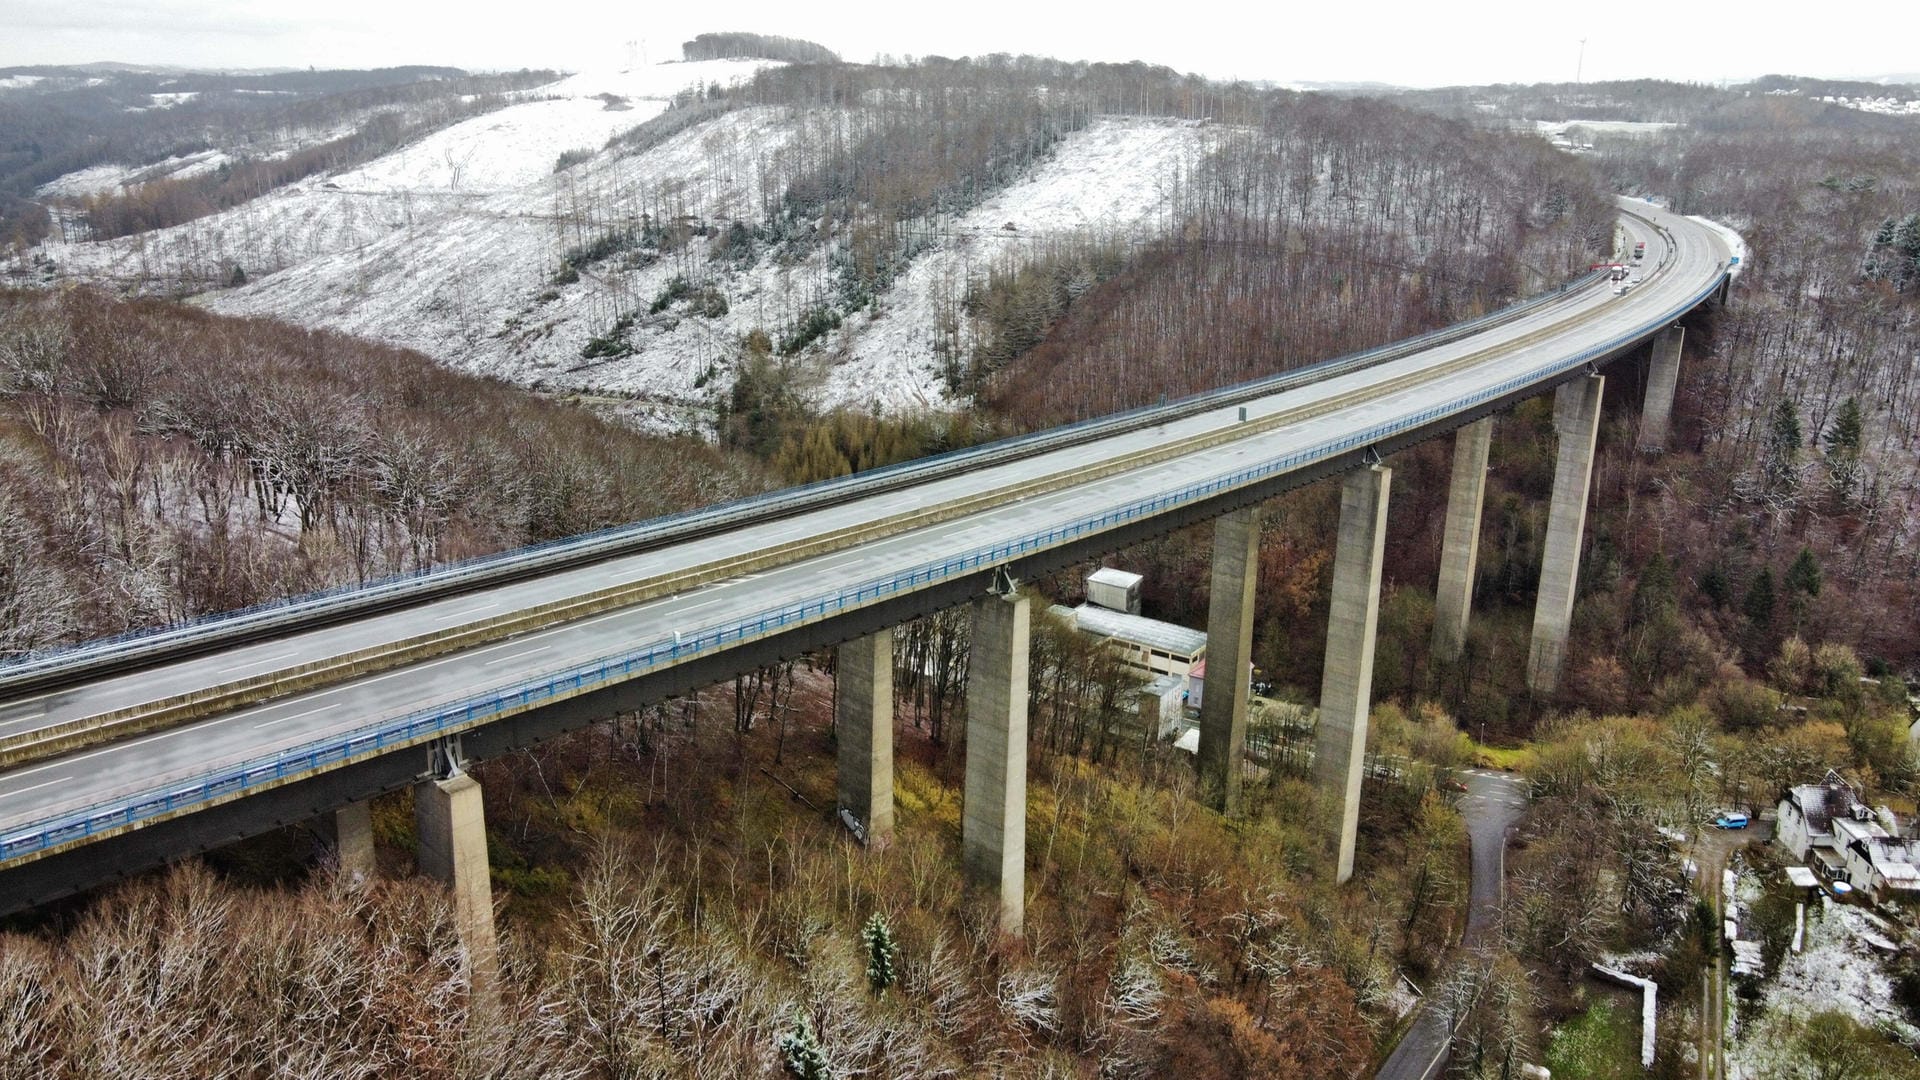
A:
x: 1418, y: 44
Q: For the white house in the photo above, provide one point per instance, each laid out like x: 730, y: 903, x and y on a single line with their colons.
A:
x: 1826, y: 825
x: 1807, y: 813
x: 1879, y: 863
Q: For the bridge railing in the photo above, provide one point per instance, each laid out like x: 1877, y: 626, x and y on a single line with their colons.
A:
x: 615, y: 540
x: 435, y: 720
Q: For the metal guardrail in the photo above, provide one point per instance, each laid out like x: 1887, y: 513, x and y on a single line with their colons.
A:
x: 613, y: 542
x: 447, y: 718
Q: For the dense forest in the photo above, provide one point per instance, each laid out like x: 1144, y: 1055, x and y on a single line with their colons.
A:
x: 676, y: 896
x: 158, y: 464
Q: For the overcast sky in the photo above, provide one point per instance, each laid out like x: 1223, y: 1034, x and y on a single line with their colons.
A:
x: 1414, y: 44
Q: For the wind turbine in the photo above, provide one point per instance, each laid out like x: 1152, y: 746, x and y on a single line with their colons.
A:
x: 1580, y: 64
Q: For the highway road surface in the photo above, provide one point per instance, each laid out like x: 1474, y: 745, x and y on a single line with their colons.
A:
x: 819, y: 553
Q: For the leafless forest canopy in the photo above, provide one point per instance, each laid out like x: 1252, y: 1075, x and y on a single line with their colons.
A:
x: 668, y: 911
x: 158, y: 463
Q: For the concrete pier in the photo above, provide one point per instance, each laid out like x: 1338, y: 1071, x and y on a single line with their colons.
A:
x: 993, y: 826
x: 1576, y: 420
x: 1460, y: 539
x: 353, y: 840
x: 1663, y: 375
x: 863, y: 726
x: 1346, y: 685
x: 1223, y: 707
x: 452, y: 827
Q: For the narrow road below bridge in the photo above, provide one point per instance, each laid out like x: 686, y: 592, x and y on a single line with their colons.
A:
x: 1492, y: 803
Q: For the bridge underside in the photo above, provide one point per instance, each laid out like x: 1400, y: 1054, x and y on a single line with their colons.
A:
x: 28, y: 883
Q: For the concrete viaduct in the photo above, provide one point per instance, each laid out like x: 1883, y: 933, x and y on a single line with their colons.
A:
x: 123, y: 755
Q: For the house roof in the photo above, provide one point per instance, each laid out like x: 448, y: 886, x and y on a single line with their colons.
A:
x: 1822, y: 803
x: 1107, y: 575
x: 1900, y: 874
x: 1163, y: 685
x: 1152, y: 633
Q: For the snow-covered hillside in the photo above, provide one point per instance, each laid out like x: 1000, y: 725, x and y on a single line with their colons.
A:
x: 475, y: 285
x: 1839, y: 971
x: 506, y: 150
x: 540, y: 244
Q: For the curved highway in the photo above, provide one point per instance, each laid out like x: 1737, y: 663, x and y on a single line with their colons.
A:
x: 792, y: 570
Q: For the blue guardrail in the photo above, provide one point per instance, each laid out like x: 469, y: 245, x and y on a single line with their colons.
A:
x: 459, y: 715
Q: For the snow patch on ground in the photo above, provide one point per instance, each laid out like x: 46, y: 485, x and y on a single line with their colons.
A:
x: 1605, y: 127
x: 20, y: 82
x: 1886, y: 106
x: 1838, y: 971
x: 467, y: 285
x: 110, y: 179
x: 1114, y: 180
x: 500, y: 151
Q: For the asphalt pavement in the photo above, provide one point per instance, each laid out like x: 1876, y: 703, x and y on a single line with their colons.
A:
x: 1492, y: 803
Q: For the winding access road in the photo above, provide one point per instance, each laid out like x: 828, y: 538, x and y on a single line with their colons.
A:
x: 1492, y: 803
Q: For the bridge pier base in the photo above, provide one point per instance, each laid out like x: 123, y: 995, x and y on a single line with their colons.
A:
x: 993, y: 826
x: 353, y: 840
x: 863, y: 727
x: 451, y: 822
x: 1663, y: 376
x: 1346, y: 686
x: 1576, y: 421
x: 1460, y: 539
x: 1223, y: 705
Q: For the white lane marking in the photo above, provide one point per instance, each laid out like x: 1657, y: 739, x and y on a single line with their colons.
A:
x: 142, y: 743
x: 468, y: 611
x: 36, y: 787
x: 296, y: 716
x: 261, y: 660
x: 516, y: 656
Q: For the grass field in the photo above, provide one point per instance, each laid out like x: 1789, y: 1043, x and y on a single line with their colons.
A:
x: 1602, y: 1043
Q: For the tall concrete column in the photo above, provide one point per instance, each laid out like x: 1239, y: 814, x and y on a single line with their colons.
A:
x: 863, y: 725
x: 353, y: 840
x: 1346, y: 685
x: 1460, y: 539
x: 1663, y: 375
x: 993, y: 825
x: 452, y: 827
x: 1223, y: 705
x: 1576, y: 421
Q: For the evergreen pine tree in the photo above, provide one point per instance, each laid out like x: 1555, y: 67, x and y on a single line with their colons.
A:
x: 800, y: 1051
x: 1715, y: 586
x: 1843, y: 449
x: 879, y: 940
x: 1782, y: 461
x: 1758, y: 603
x: 1653, y: 594
x: 1804, y: 575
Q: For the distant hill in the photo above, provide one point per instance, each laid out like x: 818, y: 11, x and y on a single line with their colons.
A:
x: 707, y: 238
